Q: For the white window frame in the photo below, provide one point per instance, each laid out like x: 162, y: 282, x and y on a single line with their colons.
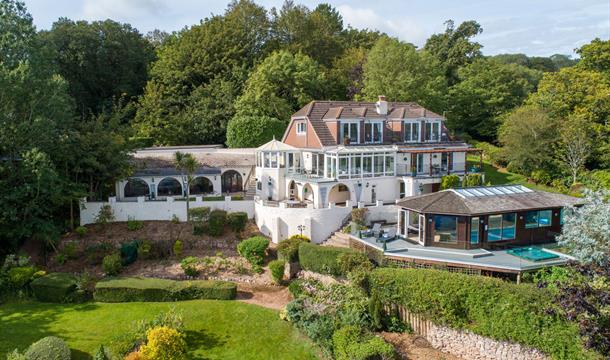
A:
x: 342, y: 123
x: 301, y: 128
x: 432, y: 123
x: 411, y: 123
x: 372, y: 125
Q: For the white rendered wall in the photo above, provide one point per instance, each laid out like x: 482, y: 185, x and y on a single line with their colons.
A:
x: 159, y: 210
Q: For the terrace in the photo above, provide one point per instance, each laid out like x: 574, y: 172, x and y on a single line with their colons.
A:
x: 499, y: 261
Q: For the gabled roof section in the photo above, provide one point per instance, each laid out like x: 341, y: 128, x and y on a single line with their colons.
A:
x: 319, y: 111
x: 486, y: 200
x: 275, y: 145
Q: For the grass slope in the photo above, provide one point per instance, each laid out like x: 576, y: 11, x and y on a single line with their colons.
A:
x: 214, y: 329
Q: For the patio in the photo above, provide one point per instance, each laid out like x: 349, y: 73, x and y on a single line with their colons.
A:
x: 497, y: 260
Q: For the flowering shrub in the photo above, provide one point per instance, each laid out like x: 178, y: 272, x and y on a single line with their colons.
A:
x: 164, y: 343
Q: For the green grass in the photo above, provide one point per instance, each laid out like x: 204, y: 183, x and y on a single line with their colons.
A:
x: 214, y: 329
x: 497, y: 176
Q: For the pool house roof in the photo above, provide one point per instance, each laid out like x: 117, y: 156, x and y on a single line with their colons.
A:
x: 486, y: 200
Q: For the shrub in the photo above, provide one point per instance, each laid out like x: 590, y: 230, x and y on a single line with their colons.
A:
x: 473, y: 180
x: 105, y: 215
x: 190, y: 266
x: 135, y: 355
x: 133, y: 224
x: 81, y: 231
x: 16, y: 355
x: 492, y: 153
x: 164, y: 343
x: 19, y: 277
x: 95, y: 253
x: 296, y: 288
x: 144, y: 249
x: 450, y: 182
x: 277, y: 270
x: 177, y: 248
x: 359, y: 215
x: 150, y: 289
x: 100, y: 354
x: 288, y: 249
x: 161, y: 249
x: 321, y: 259
x: 199, y: 215
x: 352, y: 343
x: 253, y: 249
x: 54, y: 287
x: 541, y: 177
x: 48, y: 348
x: 112, y: 264
x: 237, y: 221
x: 129, y: 252
x: 216, y: 223
x: 351, y: 261
x: 517, y: 313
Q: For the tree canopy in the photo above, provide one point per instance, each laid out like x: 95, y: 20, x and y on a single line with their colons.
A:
x: 246, y: 131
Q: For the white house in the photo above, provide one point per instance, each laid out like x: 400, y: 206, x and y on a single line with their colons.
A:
x: 334, y: 155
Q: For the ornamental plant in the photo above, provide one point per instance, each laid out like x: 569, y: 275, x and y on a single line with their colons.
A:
x: 277, y: 270
x: 253, y: 249
x: 164, y: 343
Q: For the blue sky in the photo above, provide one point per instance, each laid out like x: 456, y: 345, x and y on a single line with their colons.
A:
x: 533, y: 27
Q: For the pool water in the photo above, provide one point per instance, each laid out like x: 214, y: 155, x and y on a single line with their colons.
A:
x: 533, y: 254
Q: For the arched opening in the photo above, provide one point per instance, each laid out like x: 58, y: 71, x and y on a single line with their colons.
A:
x: 307, y: 193
x: 293, y: 193
x: 169, y: 187
x: 339, y: 194
x: 231, y: 182
x: 201, y: 185
x: 136, y: 187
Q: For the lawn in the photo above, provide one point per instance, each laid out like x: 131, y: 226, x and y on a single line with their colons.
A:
x: 214, y: 329
x: 497, y: 176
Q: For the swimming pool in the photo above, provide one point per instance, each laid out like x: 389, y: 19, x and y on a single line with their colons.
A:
x: 533, y: 254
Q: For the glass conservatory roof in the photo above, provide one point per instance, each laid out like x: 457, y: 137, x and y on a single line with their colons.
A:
x: 360, y: 149
x: 492, y: 190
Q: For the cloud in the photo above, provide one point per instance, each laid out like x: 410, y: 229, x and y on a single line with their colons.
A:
x: 122, y: 9
x: 365, y: 18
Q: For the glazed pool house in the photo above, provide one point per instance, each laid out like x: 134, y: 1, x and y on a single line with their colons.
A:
x: 491, y: 217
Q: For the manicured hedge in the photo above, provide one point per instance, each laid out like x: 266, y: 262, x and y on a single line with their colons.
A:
x: 151, y: 289
x: 321, y: 259
x: 54, y: 287
x: 486, y: 306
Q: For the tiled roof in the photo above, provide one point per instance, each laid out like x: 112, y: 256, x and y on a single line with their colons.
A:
x: 318, y: 111
x: 450, y: 202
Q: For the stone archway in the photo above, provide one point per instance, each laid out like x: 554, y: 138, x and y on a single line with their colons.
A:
x: 136, y: 187
x: 339, y: 194
x: 293, y: 191
x: 169, y: 187
x: 231, y: 182
x: 308, y: 194
x: 201, y: 185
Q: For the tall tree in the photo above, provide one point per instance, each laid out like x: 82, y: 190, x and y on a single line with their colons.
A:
x: 102, y: 61
x: 574, y: 145
x: 345, y: 78
x: 210, y: 58
x: 400, y: 72
x: 528, y: 135
x: 595, y: 56
x: 280, y: 85
x: 454, y: 47
x: 18, y: 33
x: 315, y: 33
x: 485, y: 90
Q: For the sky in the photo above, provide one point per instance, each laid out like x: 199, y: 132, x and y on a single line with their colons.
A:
x: 532, y: 27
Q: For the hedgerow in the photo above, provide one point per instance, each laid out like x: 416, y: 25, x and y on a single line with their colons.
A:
x: 54, y: 287
x: 150, y: 289
x: 486, y: 306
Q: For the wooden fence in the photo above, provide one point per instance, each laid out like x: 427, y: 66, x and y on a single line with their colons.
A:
x: 419, y: 324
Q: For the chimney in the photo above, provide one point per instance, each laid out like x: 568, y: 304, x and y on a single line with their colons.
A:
x: 381, y: 105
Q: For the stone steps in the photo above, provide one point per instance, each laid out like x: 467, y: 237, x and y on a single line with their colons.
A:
x: 337, y: 239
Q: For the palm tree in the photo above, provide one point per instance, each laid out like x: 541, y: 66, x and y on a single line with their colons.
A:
x: 186, y: 164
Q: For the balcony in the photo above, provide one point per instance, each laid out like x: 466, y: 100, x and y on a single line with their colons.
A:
x: 438, y: 170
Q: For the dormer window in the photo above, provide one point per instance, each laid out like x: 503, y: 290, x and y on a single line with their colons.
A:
x: 373, y: 132
x: 301, y: 128
x: 412, y: 133
x: 432, y: 131
x: 350, y: 132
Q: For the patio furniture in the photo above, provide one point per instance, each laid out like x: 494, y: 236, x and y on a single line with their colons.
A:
x: 371, y: 232
x: 389, y: 235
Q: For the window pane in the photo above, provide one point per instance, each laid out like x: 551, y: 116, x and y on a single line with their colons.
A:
x: 428, y: 130
x: 368, y: 132
x: 435, y: 131
x: 508, y: 226
x: 343, y: 166
x: 445, y: 229
x: 389, y: 165
x: 531, y: 219
x: 353, y: 136
x: 544, y: 218
x: 377, y: 132
x: 561, y: 216
x: 356, y: 165
x: 494, y: 226
x: 408, y: 132
x: 415, y: 132
x: 379, y: 164
x: 368, y: 164
x: 474, y: 230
